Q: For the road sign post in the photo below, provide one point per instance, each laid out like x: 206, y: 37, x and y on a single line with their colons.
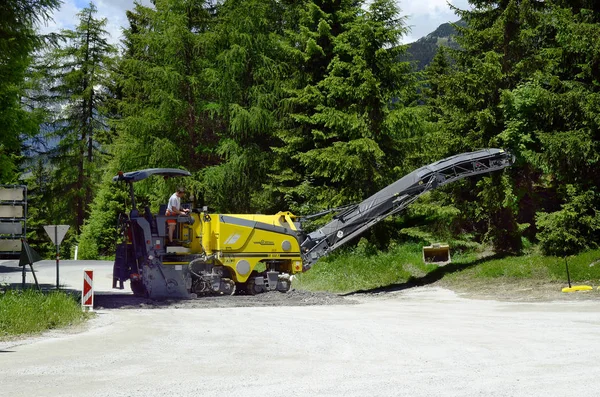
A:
x: 56, y: 234
x: 57, y: 254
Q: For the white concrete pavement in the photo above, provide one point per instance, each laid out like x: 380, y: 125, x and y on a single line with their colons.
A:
x: 421, y: 342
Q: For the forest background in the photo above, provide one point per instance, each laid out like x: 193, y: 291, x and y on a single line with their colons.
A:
x: 306, y: 105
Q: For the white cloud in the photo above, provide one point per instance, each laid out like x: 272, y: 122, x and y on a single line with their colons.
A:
x: 429, y: 7
x: 114, y: 12
x: 424, y: 16
x: 63, y: 18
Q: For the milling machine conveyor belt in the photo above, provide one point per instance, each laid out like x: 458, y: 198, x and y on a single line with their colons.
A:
x: 397, y: 196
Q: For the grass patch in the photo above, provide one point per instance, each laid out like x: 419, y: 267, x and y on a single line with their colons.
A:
x: 30, y: 311
x: 583, y: 268
x: 365, y: 269
x: 361, y: 268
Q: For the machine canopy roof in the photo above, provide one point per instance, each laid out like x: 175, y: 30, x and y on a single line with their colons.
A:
x: 135, y: 176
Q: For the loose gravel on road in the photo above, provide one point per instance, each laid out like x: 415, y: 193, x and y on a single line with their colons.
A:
x: 274, y: 298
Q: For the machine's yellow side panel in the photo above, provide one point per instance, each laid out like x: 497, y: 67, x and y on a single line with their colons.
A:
x: 237, y: 238
x: 241, y: 247
x: 232, y: 237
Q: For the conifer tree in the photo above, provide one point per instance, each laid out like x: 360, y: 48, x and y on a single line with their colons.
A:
x: 77, y: 72
x: 493, y: 57
x: 526, y: 79
x: 18, y: 40
x: 163, y: 118
x: 349, y: 106
x: 247, y: 77
x: 552, y: 122
x: 158, y: 111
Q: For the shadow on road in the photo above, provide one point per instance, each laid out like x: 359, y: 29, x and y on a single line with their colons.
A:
x: 120, y: 301
x: 11, y: 268
x: 102, y: 300
x: 429, y: 278
x: 44, y: 287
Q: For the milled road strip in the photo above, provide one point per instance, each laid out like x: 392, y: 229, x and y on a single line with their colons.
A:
x: 419, y: 342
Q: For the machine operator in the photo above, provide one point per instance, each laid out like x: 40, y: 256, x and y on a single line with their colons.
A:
x: 173, y: 209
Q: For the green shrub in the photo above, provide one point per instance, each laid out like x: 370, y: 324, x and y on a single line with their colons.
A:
x: 88, y: 248
x: 574, y: 228
x: 99, y: 233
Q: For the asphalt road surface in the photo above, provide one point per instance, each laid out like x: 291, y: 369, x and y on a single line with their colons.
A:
x: 419, y: 342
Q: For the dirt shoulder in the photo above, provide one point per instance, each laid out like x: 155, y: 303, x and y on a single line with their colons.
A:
x: 515, y: 290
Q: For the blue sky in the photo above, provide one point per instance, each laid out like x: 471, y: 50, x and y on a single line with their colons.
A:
x: 423, y: 15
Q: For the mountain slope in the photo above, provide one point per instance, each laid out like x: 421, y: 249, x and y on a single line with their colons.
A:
x: 423, y: 50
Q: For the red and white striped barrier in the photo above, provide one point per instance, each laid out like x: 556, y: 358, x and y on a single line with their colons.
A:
x: 87, y: 294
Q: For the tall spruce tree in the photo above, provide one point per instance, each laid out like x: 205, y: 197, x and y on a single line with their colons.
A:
x: 247, y: 78
x: 494, y: 57
x: 526, y: 79
x: 552, y: 122
x: 18, y: 41
x: 349, y: 106
x: 199, y: 86
x: 77, y: 72
x: 159, y: 112
x: 164, y: 119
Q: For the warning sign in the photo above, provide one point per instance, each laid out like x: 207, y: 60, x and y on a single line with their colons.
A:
x: 87, y: 294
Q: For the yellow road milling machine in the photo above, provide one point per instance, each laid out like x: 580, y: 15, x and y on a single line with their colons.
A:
x: 219, y: 254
